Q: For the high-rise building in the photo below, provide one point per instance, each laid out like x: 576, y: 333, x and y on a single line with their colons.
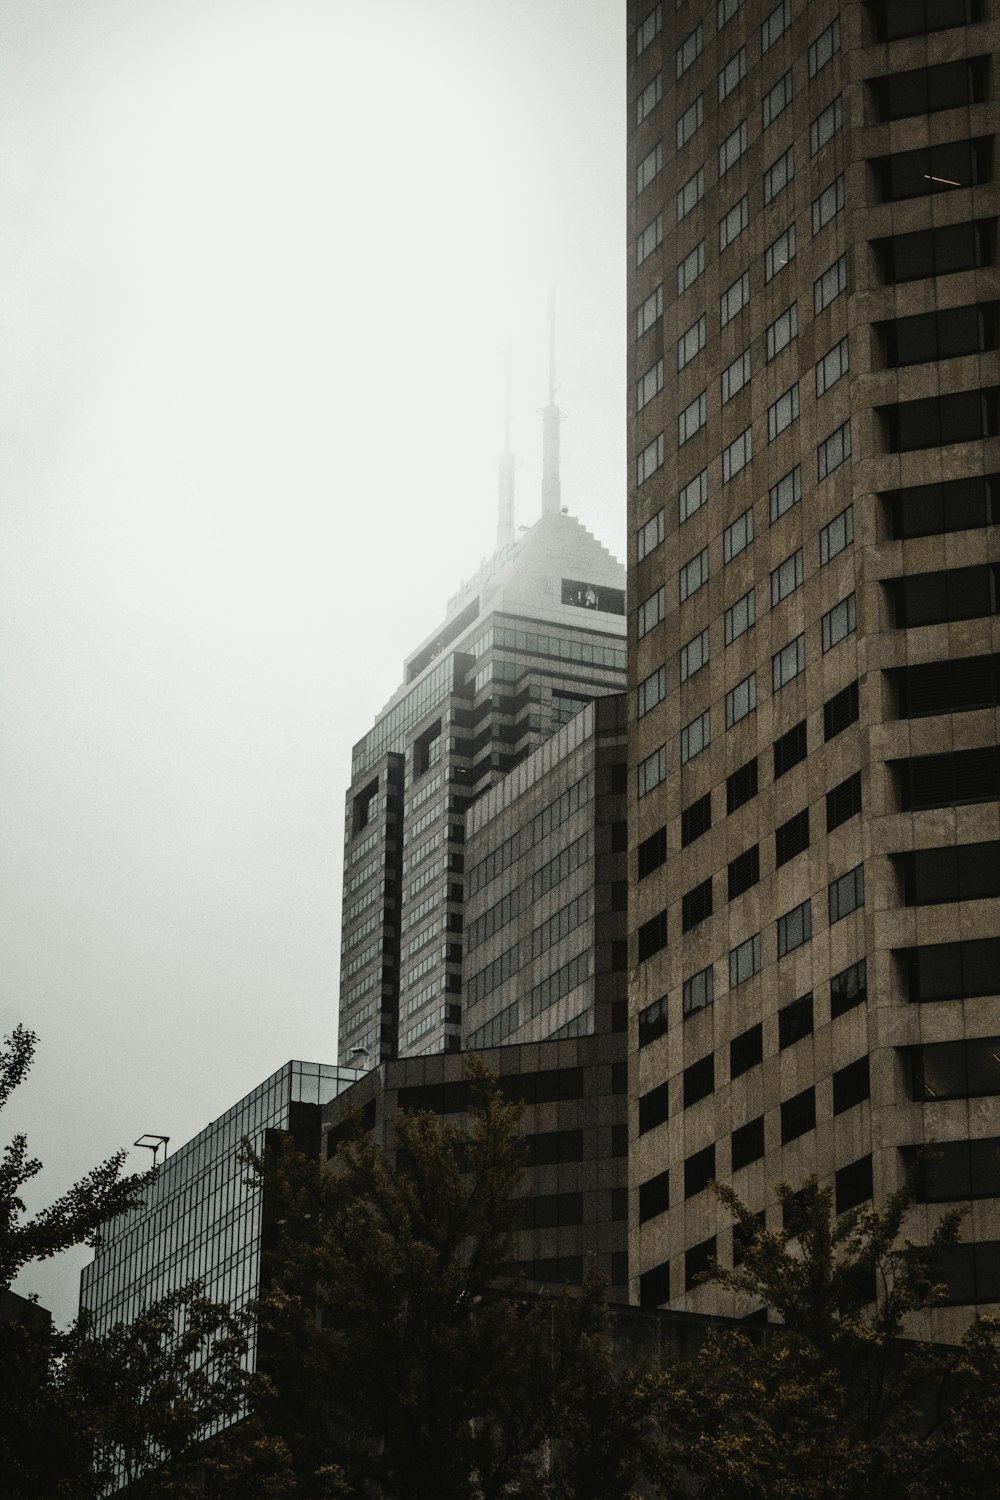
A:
x: 814, y: 431
x: 526, y: 643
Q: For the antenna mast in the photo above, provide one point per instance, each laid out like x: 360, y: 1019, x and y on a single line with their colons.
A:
x: 551, y: 417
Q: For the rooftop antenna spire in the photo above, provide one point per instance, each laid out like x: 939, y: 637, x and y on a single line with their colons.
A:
x: 505, y: 511
x: 551, y: 417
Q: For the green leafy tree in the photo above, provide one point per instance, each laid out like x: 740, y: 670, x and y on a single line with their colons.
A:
x: 831, y: 1402
x: 400, y: 1350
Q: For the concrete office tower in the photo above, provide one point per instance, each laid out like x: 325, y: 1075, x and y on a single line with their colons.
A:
x: 531, y: 638
x: 813, y: 421
x: 546, y: 927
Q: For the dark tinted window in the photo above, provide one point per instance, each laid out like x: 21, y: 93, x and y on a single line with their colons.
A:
x: 937, y: 252
x: 653, y: 1021
x: 652, y: 936
x: 652, y: 1108
x: 951, y: 505
x: 746, y: 1050
x: 747, y: 1143
x: 840, y: 710
x: 851, y: 1085
x: 791, y: 838
x: 950, y: 1171
x: 941, y: 687
x: 795, y: 1021
x: 744, y: 871
x: 948, y: 594
x: 798, y: 1115
x: 938, y: 335
x: 956, y: 1070
x: 952, y: 971
x: 924, y: 90
x: 961, y: 417
x: 699, y: 1080
x: 853, y: 1184
x: 843, y: 802
x: 696, y: 820
x: 697, y: 1262
x: 972, y: 1272
x: 949, y: 780
x: 933, y: 169
x: 744, y: 1234
x: 652, y: 853
x: 654, y: 1196
x: 952, y: 872
x: 696, y: 905
x: 654, y: 1286
x: 848, y: 988
x: 790, y: 749
x: 699, y: 1170
x: 741, y: 785
x: 898, y: 18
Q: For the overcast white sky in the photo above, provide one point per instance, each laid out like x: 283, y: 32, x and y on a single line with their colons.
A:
x: 258, y: 261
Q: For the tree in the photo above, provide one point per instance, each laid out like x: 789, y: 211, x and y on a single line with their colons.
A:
x: 832, y: 1402
x: 77, y: 1216
x: 427, y: 1374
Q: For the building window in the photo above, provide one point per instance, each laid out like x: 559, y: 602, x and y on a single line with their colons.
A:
x: 741, y: 700
x: 952, y: 872
x: 744, y: 961
x: 650, y: 612
x: 786, y: 493
x: 794, y: 928
x: 828, y: 205
x: 740, y: 616
x: 648, y: 28
x: 777, y: 100
x: 959, y: 417
x: 696, y: 819
x: 693, y: 496
x: 699, y: 1170
x: 649, y: 385
x: 828, y: 287
x: 693, y: 575
x: 694, y: 655
x: 652, y: 936
x: 736, y: 457
x: 649, y: 240
x: 789, y: 749
x: 691, y: 121
x: 699, y: 1080
x: 899, y: 18
x: 649, y: 311
x: 649, y: 98
x: 831, y: 368
x: 698, y: 992
x: 786, y: 578
x: 783, y: 412
x: 825, y: 126
x: 743, y: 871
x: 747, y: 1143
x: 695, y: 737
x: 798, y: 1115
x: 654, y: 1196
x: 951, y: 971
x: 734, y: 299
x: 732, y: 148
x: 649, y: 168
x: 741, y: 786
x: 848, y: 989
x: 779, y: 253
x: 654, y: 1285
x: 733, y: 74
x: 691, y: 342
x: 690, y: 194
x: 651, y: 691
x: 933, y: 169
x: 955, y: 1070
x: 651, y: 771
x: 732, y: 225
x: 775, y: 25
x: 836, y: 535
x: 781, y: 332
x: 746, y: 1050
x: 779, y: 175
x: 651, y: 853
x: 839, y: 622
x: 834, y: 450
x: 649, y: 460
x: 846, y: 893
x: 840, y: 710
x: 689, y: 50
x: 737, y: 536
x: 653, y: 1108
x: 795, y: 1021
x: 653, y: 1021
x: 824, y: 47
x: 692, y: 419
x: 937, y: 252
x: 690, y: 268
x: 787, y: 663
x: 735, y: 376
x: 725, y: 10
x: 843, y: 802
x: 851, y: 1085
x: 649, y: 536
x: 949, y: 505
x: 954, y: 779
x: 791, y: 838
x: 698, y: 1262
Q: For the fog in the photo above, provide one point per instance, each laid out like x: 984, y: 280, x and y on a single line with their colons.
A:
x: 258, y: 265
